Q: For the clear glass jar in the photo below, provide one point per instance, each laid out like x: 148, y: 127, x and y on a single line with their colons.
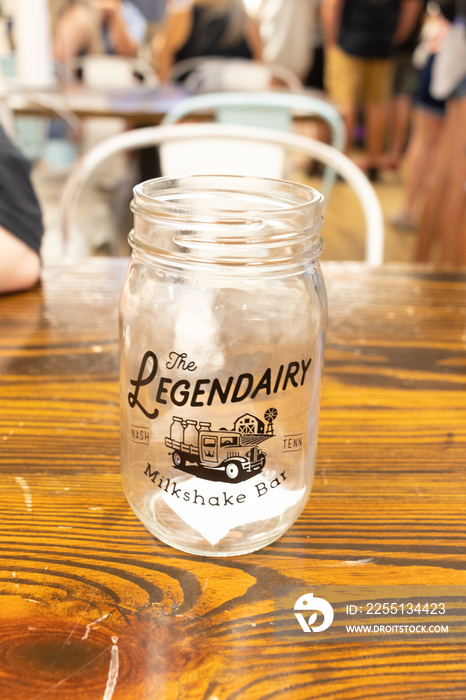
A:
x: 223, y: 316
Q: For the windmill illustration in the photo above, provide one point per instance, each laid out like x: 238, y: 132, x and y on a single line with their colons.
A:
x: 270, y: 415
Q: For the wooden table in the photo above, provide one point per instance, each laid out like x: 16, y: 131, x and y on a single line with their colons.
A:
x: 140, y: 104
x: 93, y: 607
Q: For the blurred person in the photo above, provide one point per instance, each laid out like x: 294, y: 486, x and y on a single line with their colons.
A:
x: 81, y: 27
x: 123, y: 26
x: 287, y: 32
x: 153, y: 10
x: 105, y: 28
x: 405, y: 83
x: 315, y: 81
x: 428, y: 118
x: 315, y: 77
x: 21, y: 227
x: 361, y: 37
x: 291, y: 31
x: 199, y: 28
x: 75, y: 30
x: 444, y: 212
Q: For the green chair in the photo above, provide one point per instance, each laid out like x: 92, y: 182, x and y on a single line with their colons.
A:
x: 274, y: 110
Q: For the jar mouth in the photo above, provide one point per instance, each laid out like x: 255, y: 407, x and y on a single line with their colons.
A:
x: 206, y: 198
x: 226, y: 220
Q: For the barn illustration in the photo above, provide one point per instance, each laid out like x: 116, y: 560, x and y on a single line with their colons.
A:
x: 249, y: 425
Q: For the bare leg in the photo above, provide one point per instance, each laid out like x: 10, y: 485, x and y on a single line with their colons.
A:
x: 426, y: 130
x: 454, y: 206
x: 431, y: 219
x: 400, y: 119
x: 376, y: 120
x: 462, y: 260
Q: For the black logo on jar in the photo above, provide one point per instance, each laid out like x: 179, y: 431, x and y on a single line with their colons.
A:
x: 161, y: 390
x: 221, y: 455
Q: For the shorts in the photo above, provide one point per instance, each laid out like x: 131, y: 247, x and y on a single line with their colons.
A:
x: 406, y: 76
x: 355, y: 80
x: 423, y: 99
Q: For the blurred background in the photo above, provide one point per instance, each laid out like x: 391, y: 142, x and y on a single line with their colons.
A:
x: 75, y: 72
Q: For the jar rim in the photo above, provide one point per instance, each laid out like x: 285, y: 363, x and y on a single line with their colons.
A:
x: 151, y: 198
x: 227, y: 220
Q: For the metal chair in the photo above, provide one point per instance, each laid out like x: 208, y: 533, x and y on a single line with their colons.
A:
x: 156, y: 135
x: 30, y: 132
x: 274, y: 110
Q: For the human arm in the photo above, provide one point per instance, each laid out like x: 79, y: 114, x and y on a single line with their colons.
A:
x: 21, y: 226
x: 172, y: 36
x: 116, y: 18
x: 331, y: 11
x: 410, y: 12
x: 19, y: 264
x: 75, y: 31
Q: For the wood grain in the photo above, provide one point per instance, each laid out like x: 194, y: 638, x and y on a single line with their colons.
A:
x: 93, y: 607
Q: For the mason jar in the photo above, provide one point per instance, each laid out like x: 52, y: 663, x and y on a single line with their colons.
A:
x: 222, y: 327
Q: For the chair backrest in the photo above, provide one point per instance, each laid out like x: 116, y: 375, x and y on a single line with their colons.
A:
x: 273, y: 110
x: 216, y: 73
x: 264, y: 104
x: 156, y: 135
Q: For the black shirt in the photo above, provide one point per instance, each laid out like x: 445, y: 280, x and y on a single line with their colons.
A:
x: 19, y: 208
x: 207, y: 39
x: 368, y: 26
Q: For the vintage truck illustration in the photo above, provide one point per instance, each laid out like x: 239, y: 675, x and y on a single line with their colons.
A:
x: 220, y: 455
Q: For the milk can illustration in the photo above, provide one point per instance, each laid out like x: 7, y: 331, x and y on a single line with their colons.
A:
x: 222, y: 328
